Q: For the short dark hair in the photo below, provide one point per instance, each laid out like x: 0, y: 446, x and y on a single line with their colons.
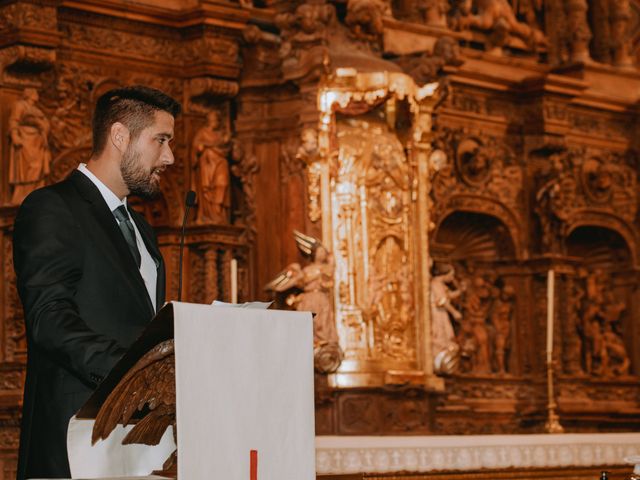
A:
x: 133, y: 106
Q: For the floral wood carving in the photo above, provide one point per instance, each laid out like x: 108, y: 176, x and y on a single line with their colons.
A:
x: 18, y: 15
x: 29, y: 32
x: 208, y: 49
x: 14, y: 328
x: 580, y: 184
x: 484, y: 178
x: 209, y: 88
x: 572, y: 343
x: 295, y: 151
x: 110, y: 40
x: 245, y: 167
x: 308, y: 153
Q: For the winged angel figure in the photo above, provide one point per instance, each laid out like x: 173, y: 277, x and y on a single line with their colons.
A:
x: 314, y: 284
x: 149, y: 386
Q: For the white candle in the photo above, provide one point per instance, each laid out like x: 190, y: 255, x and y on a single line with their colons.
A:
x: 550, y: 300
x: 234, y: 280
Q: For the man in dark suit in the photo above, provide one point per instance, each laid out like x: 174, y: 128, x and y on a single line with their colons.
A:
x: 89, y: 271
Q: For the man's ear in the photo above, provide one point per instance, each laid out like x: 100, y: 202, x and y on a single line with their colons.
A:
x: 119, y: 136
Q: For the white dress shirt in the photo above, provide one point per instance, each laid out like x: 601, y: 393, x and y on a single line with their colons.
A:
x: 147, y: 265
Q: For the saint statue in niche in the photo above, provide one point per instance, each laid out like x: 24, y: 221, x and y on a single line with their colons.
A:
x: 443, y: 338
x: 29, y: 154
x: 210, y: 180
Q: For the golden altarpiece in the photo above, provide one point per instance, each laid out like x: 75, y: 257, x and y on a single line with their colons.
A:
x: 464, y: 147
x: 368, y: 189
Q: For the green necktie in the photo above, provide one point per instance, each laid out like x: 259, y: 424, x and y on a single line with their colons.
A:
x: 126, y: 227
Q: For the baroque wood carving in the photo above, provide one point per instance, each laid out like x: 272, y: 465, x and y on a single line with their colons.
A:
x: 585, y: 187
x: 527, y: 164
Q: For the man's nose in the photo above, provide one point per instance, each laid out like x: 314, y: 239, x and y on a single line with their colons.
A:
x: 167, y: 156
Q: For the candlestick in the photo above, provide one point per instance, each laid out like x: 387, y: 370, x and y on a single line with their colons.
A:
x: 550, y: 301
x: 553, y: 421
x: 234, y: 280
x: 552, y: 424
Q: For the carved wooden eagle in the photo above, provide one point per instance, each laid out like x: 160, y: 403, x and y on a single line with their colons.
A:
x: 149, y: 387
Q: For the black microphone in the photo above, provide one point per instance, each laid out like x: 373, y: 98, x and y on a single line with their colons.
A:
x: 189, y: 201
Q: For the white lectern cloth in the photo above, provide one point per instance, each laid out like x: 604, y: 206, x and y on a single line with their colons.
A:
x: 244, y: 381
x: 109, y: 458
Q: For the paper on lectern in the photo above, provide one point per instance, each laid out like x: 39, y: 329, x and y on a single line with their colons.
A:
x: 244, y: 381
x: 252, y: 305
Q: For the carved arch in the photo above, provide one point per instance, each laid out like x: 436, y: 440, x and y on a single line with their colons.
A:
x: 609, y: 221
x: 492, y: 208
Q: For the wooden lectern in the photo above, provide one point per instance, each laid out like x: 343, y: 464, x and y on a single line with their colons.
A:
x: 244, y: 391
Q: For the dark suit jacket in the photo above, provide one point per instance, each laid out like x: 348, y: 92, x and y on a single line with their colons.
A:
x: 85, y: 303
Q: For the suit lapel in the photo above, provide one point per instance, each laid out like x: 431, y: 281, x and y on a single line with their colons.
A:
x: 114, y: 240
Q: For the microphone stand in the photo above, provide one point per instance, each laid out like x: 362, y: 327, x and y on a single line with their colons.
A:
x: 189, y: 201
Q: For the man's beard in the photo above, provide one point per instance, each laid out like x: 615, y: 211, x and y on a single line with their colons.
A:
x: 138, y: 180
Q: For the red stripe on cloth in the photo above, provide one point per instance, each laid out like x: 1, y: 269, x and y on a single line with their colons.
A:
x: 253, y: 470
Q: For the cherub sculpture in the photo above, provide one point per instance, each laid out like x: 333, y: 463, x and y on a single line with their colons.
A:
x: 149, y: 386
x: 316, y: 282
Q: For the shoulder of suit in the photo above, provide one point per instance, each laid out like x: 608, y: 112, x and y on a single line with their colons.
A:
x: 48, y: 193
x: 52, y: 197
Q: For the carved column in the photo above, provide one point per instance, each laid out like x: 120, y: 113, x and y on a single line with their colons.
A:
x: 211, y: 274
x: 421, y: 153
x: 579, y: 32
x: 225, y: 275
x: 571, y: 348
x: 620, y: 18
